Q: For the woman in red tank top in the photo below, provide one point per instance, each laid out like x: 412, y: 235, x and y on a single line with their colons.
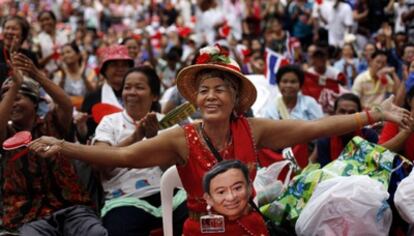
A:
x: 217, y: 87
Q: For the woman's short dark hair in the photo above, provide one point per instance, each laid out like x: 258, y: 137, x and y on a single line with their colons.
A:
x: 379, y: 52
x: 75, y: 48
x: 222, y: 167
x: 154, y: 83
x: 24, y: 25
x: 348, y: 97
x: 291, y: 69
x: 51, y: 14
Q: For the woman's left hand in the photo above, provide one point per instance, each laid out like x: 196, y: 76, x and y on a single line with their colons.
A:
x: 394, y: 113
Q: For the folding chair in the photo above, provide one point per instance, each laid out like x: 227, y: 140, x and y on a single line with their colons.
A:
x: 169, y: 181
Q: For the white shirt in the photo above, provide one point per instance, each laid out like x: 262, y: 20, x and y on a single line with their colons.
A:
x: 126, y: 182
x: 206, y: 22
x: 48, y: 46
x: 338, y: 20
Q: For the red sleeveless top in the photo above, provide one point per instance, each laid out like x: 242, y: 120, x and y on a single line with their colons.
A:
x: 200, y: 160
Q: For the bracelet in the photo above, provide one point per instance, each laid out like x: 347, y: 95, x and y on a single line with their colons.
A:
x: 358, y: 120
x: 379, y: 109
x: 60, y: 145
x: 370, y: 119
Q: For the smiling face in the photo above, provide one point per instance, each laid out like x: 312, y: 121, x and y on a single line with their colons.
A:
x: 23, y: 111
x: 289, y: 85
x: 69, y: 55
x: 369, y: 49
x: 408, y: 55
x: 377, y: 63
x: 133, y: 48
x: 229, y: 194
x: 216, y: 99
x: 12, y: 31
x: 47, y: 23
x: 347, y: 51
x: 137, y: 95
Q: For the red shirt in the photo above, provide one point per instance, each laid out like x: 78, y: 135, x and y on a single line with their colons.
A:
x: 389, y: 131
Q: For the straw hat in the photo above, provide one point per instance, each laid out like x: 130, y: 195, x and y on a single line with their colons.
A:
x: 216, y: 58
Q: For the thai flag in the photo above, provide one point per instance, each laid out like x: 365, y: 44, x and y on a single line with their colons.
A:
x: 291, y: 44
x: 274, y: 61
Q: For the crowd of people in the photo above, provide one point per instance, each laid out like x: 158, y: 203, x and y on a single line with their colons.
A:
x: 86, y: 176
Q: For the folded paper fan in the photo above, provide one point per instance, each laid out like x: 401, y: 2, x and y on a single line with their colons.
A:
x: 176, y: 115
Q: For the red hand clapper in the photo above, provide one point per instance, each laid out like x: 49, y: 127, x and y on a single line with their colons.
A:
x: 20, y: 139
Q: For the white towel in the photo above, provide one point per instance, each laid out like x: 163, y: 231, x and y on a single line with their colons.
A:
x: 108, y: 96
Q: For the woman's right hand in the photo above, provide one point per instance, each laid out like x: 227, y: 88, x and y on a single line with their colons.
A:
x: 46, y: 146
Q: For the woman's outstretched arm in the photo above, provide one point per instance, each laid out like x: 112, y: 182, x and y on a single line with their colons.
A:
x: 285, y: 133
x: 168, y: 148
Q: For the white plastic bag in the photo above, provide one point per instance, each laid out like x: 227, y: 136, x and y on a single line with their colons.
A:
x: 266, y: 183
x: 346, y: 206
x: 404, y: 198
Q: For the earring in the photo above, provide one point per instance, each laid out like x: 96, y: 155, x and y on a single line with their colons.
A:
x: 208, y: 208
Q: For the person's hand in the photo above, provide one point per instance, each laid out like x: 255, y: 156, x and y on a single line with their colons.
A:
x: 409, y: 128
x: 395, y: 113
x: 15, y: 46
x: 16, y: 74
x: 150, y: 125
x: 138, y: 134
x: 24, y: 64
x: 80, y: 118
x: 46, y: 146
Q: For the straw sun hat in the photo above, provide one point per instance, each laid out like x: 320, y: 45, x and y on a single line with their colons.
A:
x: 216, y: 58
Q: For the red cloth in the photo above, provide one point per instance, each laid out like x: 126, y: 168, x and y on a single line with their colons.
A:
x: 313, y: 87
x: 268, y: 156
x: 389, y: 131
x: 200, y: 160
x: 300, y: 151
x: 336, y: 145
